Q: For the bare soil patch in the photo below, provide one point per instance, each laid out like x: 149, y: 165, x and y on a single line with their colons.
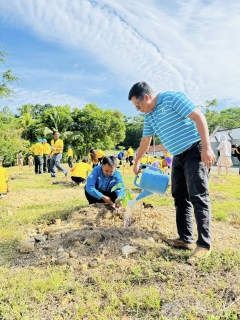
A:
x: 97, y: 232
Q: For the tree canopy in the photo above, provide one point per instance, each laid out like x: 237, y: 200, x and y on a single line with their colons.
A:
x: 7, y: 78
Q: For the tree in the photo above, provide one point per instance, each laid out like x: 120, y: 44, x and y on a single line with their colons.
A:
x: 7, y: 78
x: 212, y: 120
x: 134, y: 129
x: 230, y: 118
x: 208, y: 105
x: 28, y: 124
x: 57, y: 118
x: 10, y: 137
x: 35, y: 110
x: 117, y: 128
x: 101, y: 129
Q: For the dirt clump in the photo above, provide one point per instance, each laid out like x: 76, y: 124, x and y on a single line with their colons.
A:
x: 92, y: 233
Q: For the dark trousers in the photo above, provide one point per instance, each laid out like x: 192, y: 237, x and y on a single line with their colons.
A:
x: 130, y: 158
x: 77, y: 179
x: 46, y: 163
x: 91, y: 199
x: 38, y: 160
x: 70, y: 162
x: 190, y: 188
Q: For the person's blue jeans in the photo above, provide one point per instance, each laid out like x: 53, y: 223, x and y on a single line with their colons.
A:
x: 190, y: 189
x: 55, y: 163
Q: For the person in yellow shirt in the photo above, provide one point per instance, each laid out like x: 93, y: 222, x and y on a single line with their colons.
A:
x: 4, y: 182
x: 130, y: 156
x: 37, y: 150
x: 70, y: 156
x: 57, y: 149
x: 163, y: 164
x: 46, y: 156
x: 80, y: 171
x: 96, y: 156
x: 149, y: 158
x: 167, y: 154
x: 144, y: 161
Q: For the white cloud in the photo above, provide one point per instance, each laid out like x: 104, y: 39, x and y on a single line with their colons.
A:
x: 179, y: 45
x: 42, y: 97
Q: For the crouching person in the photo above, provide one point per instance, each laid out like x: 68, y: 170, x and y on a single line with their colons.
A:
x: 80, y: 171
x: 4, y: 182
x: 101, y: 180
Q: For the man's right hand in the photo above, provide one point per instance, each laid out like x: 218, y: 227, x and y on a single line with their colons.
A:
x: 136, y: 167
x: 107, y: 200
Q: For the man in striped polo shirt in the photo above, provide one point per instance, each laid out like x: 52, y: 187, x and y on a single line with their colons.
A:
x: 183, y: 130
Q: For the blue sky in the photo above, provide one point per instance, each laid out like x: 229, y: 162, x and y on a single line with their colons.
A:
x: 79, y: 51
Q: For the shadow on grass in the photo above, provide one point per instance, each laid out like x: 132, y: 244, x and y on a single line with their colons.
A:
x: 8, y: 251
x: 66, y: 184
x: 49, y: 217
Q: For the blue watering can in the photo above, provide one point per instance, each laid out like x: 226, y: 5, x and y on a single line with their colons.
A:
x: 152, y: 181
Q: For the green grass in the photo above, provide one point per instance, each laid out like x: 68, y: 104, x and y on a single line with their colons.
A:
x: 139, y: 289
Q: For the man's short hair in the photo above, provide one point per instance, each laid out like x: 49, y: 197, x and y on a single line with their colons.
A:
x: 85, y: 159
x: 234, y: 146
x: 139, y: 89
x: 110, y: 160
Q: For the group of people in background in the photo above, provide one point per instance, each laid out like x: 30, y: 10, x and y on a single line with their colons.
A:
x: 126, y: 156
x: 47, y: 156
x: 98, y: 169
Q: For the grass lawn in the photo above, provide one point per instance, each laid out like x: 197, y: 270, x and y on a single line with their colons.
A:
x: 149, y: 285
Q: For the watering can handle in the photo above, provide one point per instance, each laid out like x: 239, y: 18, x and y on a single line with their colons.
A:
x: 151, y: 167
x: 135, y: 182
x: 145, y: 165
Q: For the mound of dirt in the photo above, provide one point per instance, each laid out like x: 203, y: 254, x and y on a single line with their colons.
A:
x: 99, y: 233
x: 94, y: 233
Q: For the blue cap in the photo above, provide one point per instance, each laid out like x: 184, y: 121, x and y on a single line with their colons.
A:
x: 44, y: 140
x: 39, y: 140
x: 69, y: 146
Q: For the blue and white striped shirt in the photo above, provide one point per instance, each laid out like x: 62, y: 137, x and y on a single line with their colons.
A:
x: 169, y: 120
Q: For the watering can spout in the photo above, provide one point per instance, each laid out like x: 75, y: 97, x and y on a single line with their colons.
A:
x: 144, y: 194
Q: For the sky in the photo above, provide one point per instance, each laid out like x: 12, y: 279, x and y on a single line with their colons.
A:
x: 80, y: 51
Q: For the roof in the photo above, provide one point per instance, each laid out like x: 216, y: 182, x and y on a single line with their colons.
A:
x: 233, y: 133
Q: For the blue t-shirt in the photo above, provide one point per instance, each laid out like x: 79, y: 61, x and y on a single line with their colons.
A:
x: 97, y: 182
x: 120, y: 155
x: 169, y: 120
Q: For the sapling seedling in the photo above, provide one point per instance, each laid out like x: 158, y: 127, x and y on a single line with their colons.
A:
x: 124, y: 201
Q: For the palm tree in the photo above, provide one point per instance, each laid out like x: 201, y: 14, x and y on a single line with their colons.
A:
x: 27, y: 122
